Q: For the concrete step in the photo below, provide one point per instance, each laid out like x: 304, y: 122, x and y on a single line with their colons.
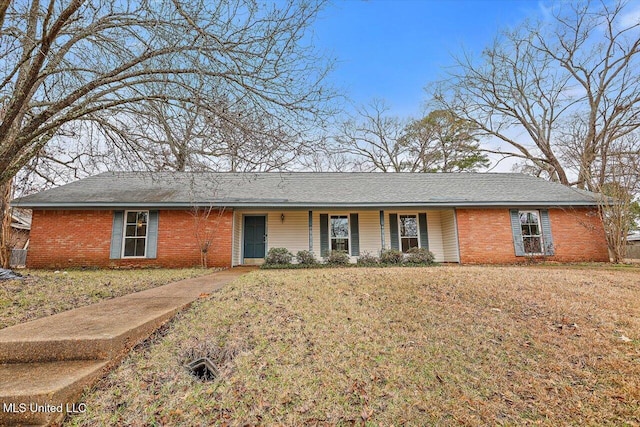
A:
x: 108, y: 328
x: 50, y: 361
x: 42, y: 393
x: 99, y: 331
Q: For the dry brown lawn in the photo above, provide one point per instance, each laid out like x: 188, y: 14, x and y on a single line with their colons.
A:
x: 395, y: 346
x: 43, y: 293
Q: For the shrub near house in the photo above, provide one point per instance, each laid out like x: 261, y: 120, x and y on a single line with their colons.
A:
x: 279, y: 256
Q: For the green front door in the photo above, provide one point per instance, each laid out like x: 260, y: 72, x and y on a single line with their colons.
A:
x: 255, y: 237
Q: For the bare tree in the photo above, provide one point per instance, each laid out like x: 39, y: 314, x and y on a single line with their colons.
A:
x: 78, y: 78
x: 617, y: 207
x: 372, y: 138
x: 206, y: 222
x: 439, y: 142
x: 579, y: 70
x: 213, y: 134
x: 5, y: 227
x: 87, y: 61
x: 326, y: 156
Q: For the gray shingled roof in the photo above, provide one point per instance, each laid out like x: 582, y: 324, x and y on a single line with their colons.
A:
x: 305, y: 189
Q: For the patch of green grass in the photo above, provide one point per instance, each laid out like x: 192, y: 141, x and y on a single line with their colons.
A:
x: 403, y: 346
x: 43, y: 293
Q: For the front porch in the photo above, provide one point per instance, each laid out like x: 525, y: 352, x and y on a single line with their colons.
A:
x: 358, y: 231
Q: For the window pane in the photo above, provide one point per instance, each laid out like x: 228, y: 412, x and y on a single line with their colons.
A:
x: 135, y: 233
x: 129, y: 247
x: 142, y: 218
x: 137, y: 218
x: 408, y: 226
x: 530, y: 224
x: 340, y: 245
x: 525, y: 229
x: 340, y: 227
x: 134, y: 246
x: 408, y: 243
x: 131, y: 230
x: 532, y: 245
x: 140, y: 243
x: 531, y: 232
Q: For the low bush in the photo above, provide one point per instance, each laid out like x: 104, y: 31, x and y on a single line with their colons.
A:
x: 279, y: 256
x: 391, y: 256
x: 306, y: 258
x: 367, y: 259
x: 337, y: 258
x: 419, y: 256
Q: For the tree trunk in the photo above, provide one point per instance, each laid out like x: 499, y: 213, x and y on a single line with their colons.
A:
x: 203, y: 259
x: 614, y: 208
x: 5, y: 235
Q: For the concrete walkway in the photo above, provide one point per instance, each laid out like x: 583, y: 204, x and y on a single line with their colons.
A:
x: 46, y: 364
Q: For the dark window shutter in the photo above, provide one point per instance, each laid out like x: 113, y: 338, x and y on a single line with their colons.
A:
x: 517, y: 232
x: 393, y: 230
x: 324, y: 235
x: 547, y: 239
x: 310, y: 231
x: 116, y: 235
x: 355, y: 236
x: 152, y: 235
x: 382, y: 230
x: 424, y: 235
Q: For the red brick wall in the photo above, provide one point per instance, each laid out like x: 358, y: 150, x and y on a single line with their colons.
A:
x: 82, y: 238
x: 74, y: 238
x: 485, y: 237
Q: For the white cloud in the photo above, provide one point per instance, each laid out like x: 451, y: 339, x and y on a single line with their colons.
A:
x: 631, y: 17
x: 545, y: 11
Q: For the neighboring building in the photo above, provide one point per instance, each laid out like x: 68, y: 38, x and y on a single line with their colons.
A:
x: 147, y: 219
x: 20, y: 229
x: 633, y: 245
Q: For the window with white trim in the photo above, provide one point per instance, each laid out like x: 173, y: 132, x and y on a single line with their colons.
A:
x: 339, y: 232
x: 531, y: 232
x: 135, y: 234
x: 408, y: 232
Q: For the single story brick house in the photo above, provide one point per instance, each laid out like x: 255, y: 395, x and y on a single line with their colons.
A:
x: 154, y: 219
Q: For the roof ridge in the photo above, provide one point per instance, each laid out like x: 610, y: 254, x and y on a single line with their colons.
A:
x: 449, y: 174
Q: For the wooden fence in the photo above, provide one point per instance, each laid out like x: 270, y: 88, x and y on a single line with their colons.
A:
x: 633, y: 251
x: 18, y: 258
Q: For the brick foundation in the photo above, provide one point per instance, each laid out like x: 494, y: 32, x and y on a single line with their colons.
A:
x: 82, y: 238
x: 484, y: 236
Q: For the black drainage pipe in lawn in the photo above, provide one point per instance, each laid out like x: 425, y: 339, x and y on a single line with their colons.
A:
x: 203, y: 369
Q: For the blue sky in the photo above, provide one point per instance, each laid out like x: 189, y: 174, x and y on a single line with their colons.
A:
x: 391, y: 49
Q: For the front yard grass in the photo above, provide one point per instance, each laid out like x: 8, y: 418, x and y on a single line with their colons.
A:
x: 393, y: 346
x: 43, y: 293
